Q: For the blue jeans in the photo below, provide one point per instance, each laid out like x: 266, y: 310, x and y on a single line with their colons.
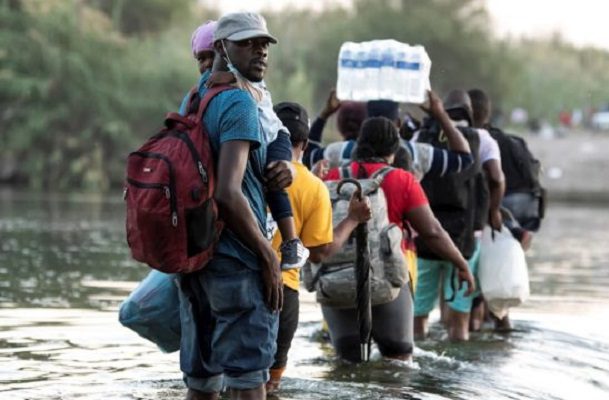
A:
x: 228, y: 333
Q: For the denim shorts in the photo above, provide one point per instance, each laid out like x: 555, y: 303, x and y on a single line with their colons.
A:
x: 228, y: 333
x: 434, y: 272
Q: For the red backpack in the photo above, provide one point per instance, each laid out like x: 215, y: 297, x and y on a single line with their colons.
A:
x: 172, y: 218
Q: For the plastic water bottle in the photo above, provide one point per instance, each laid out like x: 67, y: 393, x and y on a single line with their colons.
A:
x: 373, y: 70
x: 346, y: 71
x: 426, y: 72
x: 388, y: 74
x: 419, y: 82
x: 383, y: 69
x: 402, y: 77
x: 358, y: 84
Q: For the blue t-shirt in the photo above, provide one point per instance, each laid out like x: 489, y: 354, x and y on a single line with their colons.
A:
x: 233, y: 115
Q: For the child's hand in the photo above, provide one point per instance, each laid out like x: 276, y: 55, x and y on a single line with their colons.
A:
x: 220, y: 78
x: 278, y: 175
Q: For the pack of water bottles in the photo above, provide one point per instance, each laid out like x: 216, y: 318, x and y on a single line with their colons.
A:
x: 383, y: 70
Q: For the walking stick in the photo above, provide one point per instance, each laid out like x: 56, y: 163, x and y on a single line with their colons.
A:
x: 362, y: 278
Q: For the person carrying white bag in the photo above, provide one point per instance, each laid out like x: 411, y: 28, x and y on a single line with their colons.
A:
x: 502, y: 271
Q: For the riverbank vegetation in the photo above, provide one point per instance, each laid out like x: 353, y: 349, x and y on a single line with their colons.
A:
x: 83, y: 82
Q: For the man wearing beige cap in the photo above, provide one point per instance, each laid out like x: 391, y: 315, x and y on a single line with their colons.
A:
x: 229, y: 309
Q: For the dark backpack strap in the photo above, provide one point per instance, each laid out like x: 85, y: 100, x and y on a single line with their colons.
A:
x: 347, y: 150
x: 345, y: 171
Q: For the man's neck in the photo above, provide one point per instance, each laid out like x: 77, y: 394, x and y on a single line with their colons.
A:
x: 296, y: 155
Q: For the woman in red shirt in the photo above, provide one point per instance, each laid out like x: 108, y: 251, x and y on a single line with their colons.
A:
x: 407, y: 205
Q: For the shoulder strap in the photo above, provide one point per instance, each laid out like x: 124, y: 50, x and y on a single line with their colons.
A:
x: 347, y: 149
x: 381, y: 172
x: 379, y: 175
x: 345, y: 171
x: 210, y: 94
x: 173, y: 118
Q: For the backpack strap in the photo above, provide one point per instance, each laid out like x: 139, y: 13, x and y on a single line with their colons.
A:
x: 173, y: 117
x: 210, y: 94
x: 379, y: 175
x: 347, y: 150
x: 345, y: 171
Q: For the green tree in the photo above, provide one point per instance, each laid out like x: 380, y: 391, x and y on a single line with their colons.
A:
x: 75, y: 95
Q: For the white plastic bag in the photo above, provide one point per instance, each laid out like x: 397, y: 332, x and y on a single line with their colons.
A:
x: 502, y: 272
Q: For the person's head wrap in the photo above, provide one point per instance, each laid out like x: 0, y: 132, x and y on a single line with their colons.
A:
x: 203, y: 37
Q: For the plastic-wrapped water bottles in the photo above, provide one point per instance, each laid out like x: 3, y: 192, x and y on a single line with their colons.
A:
x: 346, y: 70
x: 383, y: 69
x: 388, y: 71
x: 359, y: 84
x: 373, y: 70
x: 402, y: 75
x: 419, y: 81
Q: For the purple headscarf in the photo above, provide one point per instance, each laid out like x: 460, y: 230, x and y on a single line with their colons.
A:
x: 203, y: 37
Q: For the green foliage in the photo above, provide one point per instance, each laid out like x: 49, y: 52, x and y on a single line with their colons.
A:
x: 83, y: 82
x: 558, y: 77
x: 75, y: 100
x: 143, y: 16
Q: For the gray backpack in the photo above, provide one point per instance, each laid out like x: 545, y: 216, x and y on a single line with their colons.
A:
x: 334, y: 279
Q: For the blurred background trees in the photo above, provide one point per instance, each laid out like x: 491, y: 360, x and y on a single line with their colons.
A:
x: 82, y: 82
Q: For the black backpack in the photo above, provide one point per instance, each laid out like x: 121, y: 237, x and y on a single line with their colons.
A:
x: 455, y: 198
x: 522, y: 176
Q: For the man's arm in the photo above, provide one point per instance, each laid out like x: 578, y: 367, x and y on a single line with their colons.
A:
x: 496, y: 186
x: 238, y: 217
x: 443, y: 162
x: 315, y: 151
x: 490, y: 158
x: 359, y: 212
x: 456, y: 141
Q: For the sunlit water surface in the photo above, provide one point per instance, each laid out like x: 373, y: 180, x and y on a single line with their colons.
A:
x: 64, y: 268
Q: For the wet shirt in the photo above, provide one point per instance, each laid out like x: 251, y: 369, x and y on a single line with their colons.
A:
x: 233, y: 115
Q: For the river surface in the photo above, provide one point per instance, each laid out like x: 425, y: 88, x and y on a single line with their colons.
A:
x: 65, y: 268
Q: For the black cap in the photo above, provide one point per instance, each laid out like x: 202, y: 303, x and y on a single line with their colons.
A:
x: 295, y: 118
x: 458, y: 105
x: 291, y: 111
